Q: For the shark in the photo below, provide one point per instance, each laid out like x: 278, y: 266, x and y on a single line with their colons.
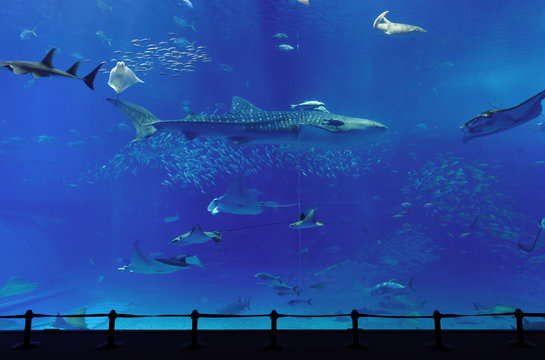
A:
x: 497, y: 120
x: 246, y: 123
x: 45, y: 68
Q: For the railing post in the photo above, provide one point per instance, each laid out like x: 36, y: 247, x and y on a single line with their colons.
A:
x: 27, y: 344
x: 274, y: 345
x: 355, y: 344
x: 194, y: 345
x: 438, y: 345
x: 111, y: 344
x: 520, y: 342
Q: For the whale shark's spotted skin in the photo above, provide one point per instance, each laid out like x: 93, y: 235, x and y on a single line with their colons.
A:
x: 247, y: 123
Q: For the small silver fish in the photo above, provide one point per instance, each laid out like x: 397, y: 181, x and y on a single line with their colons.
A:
x: 102, y: 37
x: 26, y: 34
x: 285, y: 47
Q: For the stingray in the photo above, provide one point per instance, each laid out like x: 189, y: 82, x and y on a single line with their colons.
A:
x: 306, y: 221
x: 196, y: 236
x: 142, y: 263
x: 538, y: 241
x: 391, y: 28
x: 71, y: 323
x: 238, y: 199
x: 121, y: 78
x: 494, y: 121
x: 16, y: 285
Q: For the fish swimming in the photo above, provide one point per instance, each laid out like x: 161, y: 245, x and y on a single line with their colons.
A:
x: 16, y: 285
x: 45, y: 68
x: 246, y: 123
x: 196, y: 236
x: 308, y: 105
x: 142, y: 263
x: 285, y: 47
x: 102, y: 37
x: 183, y: 23
x: 538, y: 241
x: 105, y: 7
x: 391, y: 28
x: 391, y: 288
x: 71, y: 323
x: 121, y: 78
x: 498, y: 120
x: 306, y: 221
x: 238, y: 199
x: 25, y: 34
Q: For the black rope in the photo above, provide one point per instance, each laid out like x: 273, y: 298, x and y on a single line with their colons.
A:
x: 361, y: 315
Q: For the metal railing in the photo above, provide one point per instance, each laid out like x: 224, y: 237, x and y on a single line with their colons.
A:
x: 274, y: 316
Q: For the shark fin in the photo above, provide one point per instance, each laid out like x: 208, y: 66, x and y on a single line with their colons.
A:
x: 48, y: 59
x: 142, y: 119
x: 241, y: 105
x: 73, y: 69
x: 88, y: 80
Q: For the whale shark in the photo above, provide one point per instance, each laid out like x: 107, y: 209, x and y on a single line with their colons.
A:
x: 494, y: 121
x: 45, y: 68
x: 246, y: 123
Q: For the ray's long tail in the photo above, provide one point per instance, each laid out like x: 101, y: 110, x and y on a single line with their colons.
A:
x: 141, y: 118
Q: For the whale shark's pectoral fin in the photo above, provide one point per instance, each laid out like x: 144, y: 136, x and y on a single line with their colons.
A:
x: 190, y: 135
x: 240, y: 139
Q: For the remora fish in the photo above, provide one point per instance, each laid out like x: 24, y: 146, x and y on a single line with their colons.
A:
x: 45, y: 68
x: 247, y: 123
x: 495, y: 121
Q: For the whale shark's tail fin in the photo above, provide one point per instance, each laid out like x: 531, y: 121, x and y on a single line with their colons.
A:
x: 88, y: 80
x: 141, y: 118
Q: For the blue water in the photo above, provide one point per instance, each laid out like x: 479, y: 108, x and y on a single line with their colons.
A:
x: 416, y: 204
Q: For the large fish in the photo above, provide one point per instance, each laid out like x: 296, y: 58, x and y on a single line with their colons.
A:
x: 45, y: 68
x: 246, y: 123
x: 494, y: 121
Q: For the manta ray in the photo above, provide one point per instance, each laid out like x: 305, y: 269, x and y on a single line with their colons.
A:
x: 16, y: 285
x: 495, y: 121
x: 238, y: 199
x: 246, y: 123
x: 71, y: 323
x: 391, y: 28
x: 45, y: 68
x: 196, y: 236
x: 121, y: 78
x: 539, y: 241
x: 142, y: 263
x: 306, y: 221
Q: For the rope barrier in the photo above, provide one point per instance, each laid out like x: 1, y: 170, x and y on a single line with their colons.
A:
x: 274, y: 316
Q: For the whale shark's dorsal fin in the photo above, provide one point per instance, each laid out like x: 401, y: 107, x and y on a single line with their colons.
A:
x: 48, y: 59
x: 241, y: 105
